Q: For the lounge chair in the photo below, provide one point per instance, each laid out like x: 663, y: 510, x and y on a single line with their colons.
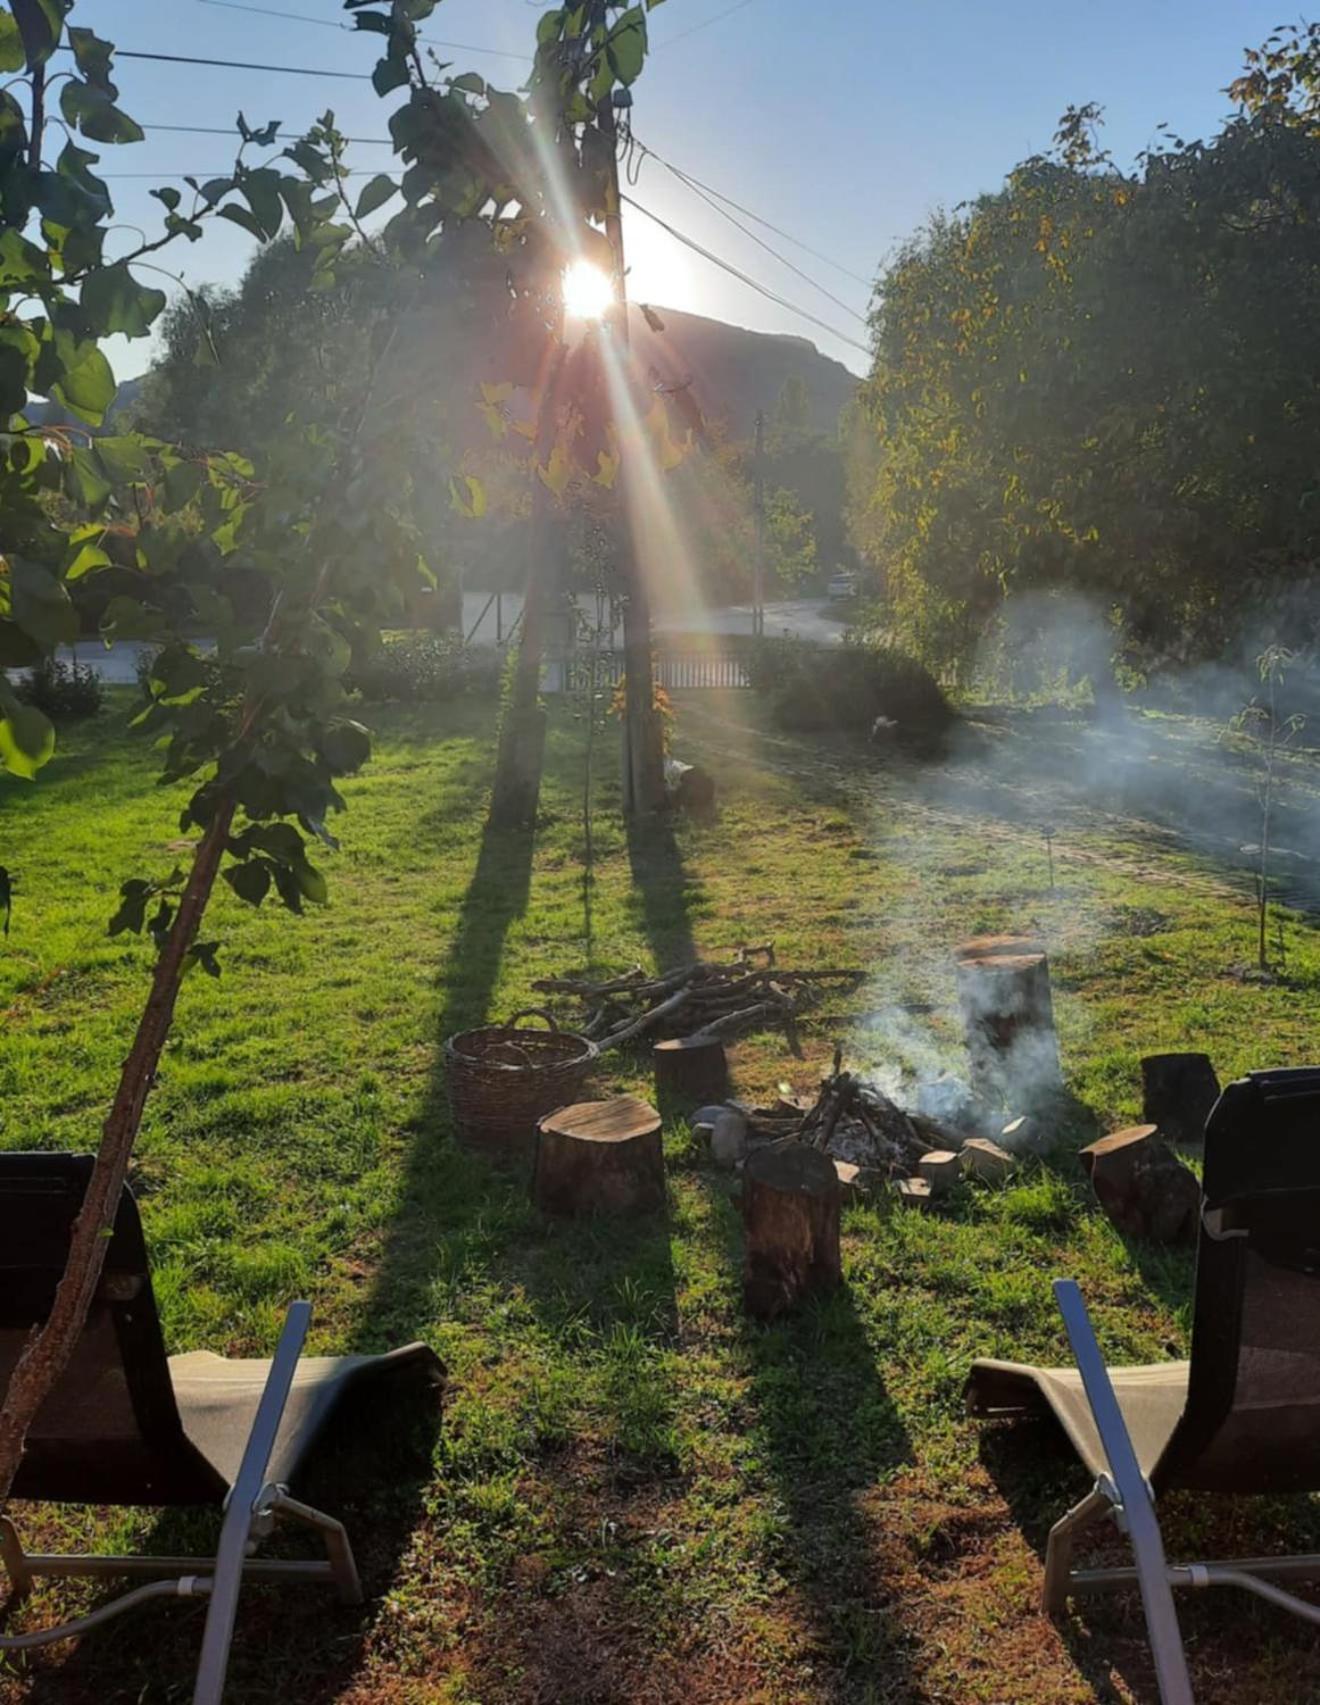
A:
x: 128, y: 1425
x: 1243, y: 1415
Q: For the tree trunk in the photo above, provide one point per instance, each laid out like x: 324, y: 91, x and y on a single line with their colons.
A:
x: 47, y: 1353
x: 791, y: 1199
x: 600, y: 1157
x: 517, y: 788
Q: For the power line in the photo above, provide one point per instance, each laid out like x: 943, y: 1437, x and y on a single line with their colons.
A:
x: 687, y: 178
x: 783, y: 260
x: 704, y: 24
x: 237, y: 65
x: 229, y: 130
x: 331, y: 24
x: 744, y: 278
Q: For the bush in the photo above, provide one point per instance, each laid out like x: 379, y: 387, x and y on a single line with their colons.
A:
x: 427, y: 667
x: 63, y: 691
x: 812, y: 688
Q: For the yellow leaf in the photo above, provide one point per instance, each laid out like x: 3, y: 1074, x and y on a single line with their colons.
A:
x: 496, y: 393
x: 609, y: 470
x: 557, y: 472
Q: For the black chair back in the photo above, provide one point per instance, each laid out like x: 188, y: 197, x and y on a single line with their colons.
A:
x: 109, y: 1433
x: 1252, y: 1421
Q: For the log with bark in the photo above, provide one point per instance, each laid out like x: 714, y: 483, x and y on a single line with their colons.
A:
x: 690, y: 1071
x: 600, y: 1157
x: 790, y: 1202
x: 689, y: 788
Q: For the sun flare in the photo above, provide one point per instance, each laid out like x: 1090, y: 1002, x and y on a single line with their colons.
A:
x: 588, y: 292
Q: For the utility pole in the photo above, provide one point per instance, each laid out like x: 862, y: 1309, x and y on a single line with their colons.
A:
x: 758, y: 513
x: 643, y: 754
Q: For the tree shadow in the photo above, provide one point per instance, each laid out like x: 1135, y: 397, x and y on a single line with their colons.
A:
x: 828, y: 1430
x: 664, y: 889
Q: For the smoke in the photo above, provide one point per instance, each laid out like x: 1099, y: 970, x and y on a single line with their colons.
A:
x: 1116, y: 781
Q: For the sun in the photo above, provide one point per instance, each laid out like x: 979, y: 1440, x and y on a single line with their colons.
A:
x: 588, y: 292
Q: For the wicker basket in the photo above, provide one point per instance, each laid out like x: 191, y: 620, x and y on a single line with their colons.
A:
x: 502, y: 1079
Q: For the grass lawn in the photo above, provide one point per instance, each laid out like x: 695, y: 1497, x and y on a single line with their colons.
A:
x: 635, y: 1494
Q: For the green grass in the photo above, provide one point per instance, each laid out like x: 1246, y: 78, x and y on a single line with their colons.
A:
x: 635, y: 1493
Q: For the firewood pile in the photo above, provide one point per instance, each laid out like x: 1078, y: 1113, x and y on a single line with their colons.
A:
x: 707, y: 998
x: 850, y: 1120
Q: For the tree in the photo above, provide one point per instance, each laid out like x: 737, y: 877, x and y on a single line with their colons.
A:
x: 1101, y: 380
x: 290, y: 568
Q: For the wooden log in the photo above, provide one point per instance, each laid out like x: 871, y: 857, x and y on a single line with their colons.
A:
x: 1142, y: 1185
x: 689, y: 787
x: 690, y: 1070
x: 790, y: 1201
x: 1178, y: 1091
x: 1008, y: 1021
x: 600, y: 1157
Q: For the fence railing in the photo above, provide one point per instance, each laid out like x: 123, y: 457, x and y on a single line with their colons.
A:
x: 675, y: 670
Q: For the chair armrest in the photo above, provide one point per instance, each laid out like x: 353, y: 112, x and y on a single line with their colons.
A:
x: 1137, y: 1504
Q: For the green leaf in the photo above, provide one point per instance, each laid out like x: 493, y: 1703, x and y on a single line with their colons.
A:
x: 40, y: 604
x: 27, y: 740
x: 182, y: 483
x: 86, y: 557
x: 345, y: 746
x: 626, y: 45
x: 375, y: 195
x: 288, y: 887
x: 262, y: 189
x: 114, y: 302
x: 548, y: 27
x: 92, y: 55
x: 249, y: 880
x: 21, y: 262
x: 312, y: 883
x: 124, y: 459
x: 469, y: 82
x: 241, y: 216
x: 91, y: 110
x: 88, y: 388
x: 39, y: 23
x: 84, y: 481
x: 12, y: 56
x: 390, y: 74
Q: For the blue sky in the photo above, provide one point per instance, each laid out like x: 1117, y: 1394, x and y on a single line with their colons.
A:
x: 845, y: 123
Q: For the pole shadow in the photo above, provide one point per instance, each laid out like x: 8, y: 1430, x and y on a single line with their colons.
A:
x: 666, y: 895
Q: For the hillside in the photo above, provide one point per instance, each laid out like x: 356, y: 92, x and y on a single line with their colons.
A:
x: 735, y: 371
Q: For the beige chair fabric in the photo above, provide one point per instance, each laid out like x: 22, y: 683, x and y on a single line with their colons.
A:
x: 218, y: 1398
x: 1152, y: 1399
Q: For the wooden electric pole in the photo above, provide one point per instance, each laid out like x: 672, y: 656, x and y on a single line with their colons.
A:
x: 643, y: 753
x: 758, y: 513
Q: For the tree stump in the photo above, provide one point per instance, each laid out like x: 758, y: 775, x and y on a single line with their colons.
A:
x: 1178, y: 1091
x: 600, y: 1157
x: 689, y: 788
x: 790, y: 1201
x: 690, y: 1071
x: 1008, y: 1020
x: 1143, y: 1187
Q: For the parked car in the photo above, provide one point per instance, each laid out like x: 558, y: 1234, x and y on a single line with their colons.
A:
x: 841, y: 585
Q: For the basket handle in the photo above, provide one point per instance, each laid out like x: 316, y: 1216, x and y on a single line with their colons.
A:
x: 534, y: 1012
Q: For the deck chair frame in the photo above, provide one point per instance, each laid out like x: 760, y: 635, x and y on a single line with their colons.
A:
x: 251, y: 1511
x: 1126, y: 1495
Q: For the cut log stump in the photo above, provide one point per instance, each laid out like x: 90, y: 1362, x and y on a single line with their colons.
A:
x: 1143, y: 1187
x: 690, y: 1070
x: 1008, y: 1019
x: 1178, y: 1091
x: 790, y: 1201
x: 600, y: 1157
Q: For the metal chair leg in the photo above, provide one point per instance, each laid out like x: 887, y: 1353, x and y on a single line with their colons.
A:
x: 1059, y: 1549
x: 14, y: 1559
x: 334, y: 1536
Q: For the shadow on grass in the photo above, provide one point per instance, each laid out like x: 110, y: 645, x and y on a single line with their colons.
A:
x: 827, y: 1429
x: 663, y: 888
x: 290, y: 1642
